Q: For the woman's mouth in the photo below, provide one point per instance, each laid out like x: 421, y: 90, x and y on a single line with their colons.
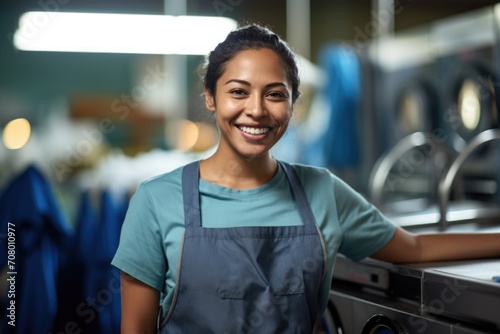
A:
x: 254, y: 130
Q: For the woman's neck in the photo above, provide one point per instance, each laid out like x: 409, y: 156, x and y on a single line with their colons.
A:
x: 238, y: 172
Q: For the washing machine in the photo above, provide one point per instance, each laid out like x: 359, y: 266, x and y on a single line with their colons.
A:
x: 468, y: 64
x: 467, y: 60
x: 444, y: 85
x: 373, y: 297
x: 367, y: 314
x: 403, y: 180
x: 407, y: 98
x: 371, y: 314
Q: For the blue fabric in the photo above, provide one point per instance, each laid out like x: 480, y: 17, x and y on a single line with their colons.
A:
x: 102, y: 281
x: 42, y: 236
x: 337, y: 144
x: 73, y: 308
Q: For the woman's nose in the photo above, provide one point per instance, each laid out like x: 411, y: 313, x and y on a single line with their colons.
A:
x: 255, y: 107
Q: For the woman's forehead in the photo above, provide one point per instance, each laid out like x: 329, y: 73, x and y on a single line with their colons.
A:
x: 255, y: 64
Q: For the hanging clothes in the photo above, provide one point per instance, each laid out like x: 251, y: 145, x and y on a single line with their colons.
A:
x: 102, y: 282
x: 42, y: 237
x: 74, y: 312
x: 331, y: 132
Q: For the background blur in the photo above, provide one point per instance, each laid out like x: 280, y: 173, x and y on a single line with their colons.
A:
x: 399, y: 98
x: 57, y: 90
x: 373, y: 73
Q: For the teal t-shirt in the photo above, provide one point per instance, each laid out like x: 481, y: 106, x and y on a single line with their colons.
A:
x: 153, y: 227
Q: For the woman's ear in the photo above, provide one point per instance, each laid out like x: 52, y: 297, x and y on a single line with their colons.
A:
x: 209, y: 100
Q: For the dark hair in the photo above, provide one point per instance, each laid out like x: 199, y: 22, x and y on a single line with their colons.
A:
x: 246, y: 38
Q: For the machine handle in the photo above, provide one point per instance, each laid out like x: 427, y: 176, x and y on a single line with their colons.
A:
x: 446, y: 182
x: 381, y: 171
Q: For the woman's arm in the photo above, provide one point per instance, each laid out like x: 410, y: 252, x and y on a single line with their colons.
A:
x: 407, y: 247
x: 140, y: 306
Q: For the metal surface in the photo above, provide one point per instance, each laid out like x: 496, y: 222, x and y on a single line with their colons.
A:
x: 380, y: 173
x: 464, y: 291
x: 472, y: 214
x: 442, y: 297
x: 449, y: 178
x: 458, y: 297
x: 444, y: 211
x: 357, y: 311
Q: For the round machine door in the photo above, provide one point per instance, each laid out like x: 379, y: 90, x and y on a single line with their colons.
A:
x: 380, y: 324
x: 416, y: 107
x: 472, y: 104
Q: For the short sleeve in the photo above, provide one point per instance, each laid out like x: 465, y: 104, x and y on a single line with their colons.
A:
x: 364, y: 228
x: 140, y: 252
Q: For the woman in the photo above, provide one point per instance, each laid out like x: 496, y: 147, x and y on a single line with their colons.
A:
x: 242, y: 243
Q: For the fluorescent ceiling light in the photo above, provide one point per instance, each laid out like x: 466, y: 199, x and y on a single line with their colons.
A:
x: 120, y: 33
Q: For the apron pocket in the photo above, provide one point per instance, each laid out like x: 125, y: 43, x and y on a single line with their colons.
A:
x: 271, y: 269
x: 226, y: 294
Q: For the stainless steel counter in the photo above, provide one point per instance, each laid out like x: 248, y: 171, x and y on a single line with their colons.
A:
x: 462, y: 294
x: 463, y: 290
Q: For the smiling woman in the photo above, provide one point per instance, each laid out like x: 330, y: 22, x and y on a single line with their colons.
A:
x: 243, y: 243
x: 253, y: 106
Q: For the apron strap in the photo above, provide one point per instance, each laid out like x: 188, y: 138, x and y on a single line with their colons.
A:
x: 191, y: 195
x: 303, y: 205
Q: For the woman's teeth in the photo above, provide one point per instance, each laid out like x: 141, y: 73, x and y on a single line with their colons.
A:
x: 254, y: 131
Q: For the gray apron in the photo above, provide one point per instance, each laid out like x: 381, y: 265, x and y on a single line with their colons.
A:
x: 249, y: 279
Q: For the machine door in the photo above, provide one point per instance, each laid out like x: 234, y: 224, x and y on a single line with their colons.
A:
x: 380, y: 324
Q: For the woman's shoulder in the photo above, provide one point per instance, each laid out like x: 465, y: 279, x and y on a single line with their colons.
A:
x: 309, y: 172
x: 320, y: 179
x: 168, y: 176
x: 169, y: 180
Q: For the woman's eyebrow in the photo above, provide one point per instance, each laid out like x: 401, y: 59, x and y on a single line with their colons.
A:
x: 246, y: 83
x: 243, y: 82
x: 273, y: 84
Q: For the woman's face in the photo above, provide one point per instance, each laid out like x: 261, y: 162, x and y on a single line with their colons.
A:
x: 252, y: 103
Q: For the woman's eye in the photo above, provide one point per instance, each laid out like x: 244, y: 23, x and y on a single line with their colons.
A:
x: 237, y: 92
x: 277, y: 95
